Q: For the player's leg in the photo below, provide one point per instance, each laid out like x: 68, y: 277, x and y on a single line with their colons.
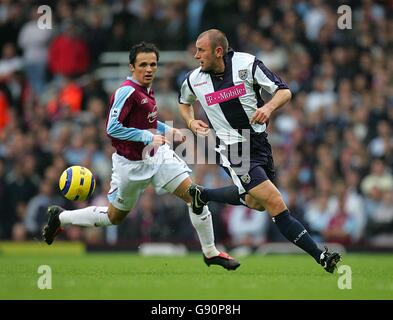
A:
x: 234, y: 194
x: 270, y: 198
x: 122, y: 197
x: 263, y: 195
x: 202, y: 221
x: 203, y: 224
x: 86, y: 217
x: 92, y: 216
x: 201, y: 195
x: 253, y: 203
x: 173, y: 177
x: 266, y: 193
x: 229, y: 195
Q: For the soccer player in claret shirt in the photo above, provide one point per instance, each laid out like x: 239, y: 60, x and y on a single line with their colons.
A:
x: 142, y: 157
x: 238, y: 94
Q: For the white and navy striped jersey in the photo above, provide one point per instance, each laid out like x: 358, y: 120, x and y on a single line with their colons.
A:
x: 230, y: 100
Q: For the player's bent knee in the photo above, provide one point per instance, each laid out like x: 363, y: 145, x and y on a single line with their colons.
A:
x: 115, y: 215
x: 275, y: 204
x: 116, y: 220
x: 269, y: 196
x: 252, y: 203
x: 258, y: 207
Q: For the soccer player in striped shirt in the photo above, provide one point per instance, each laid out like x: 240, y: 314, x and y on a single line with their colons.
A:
x: 238, y: 94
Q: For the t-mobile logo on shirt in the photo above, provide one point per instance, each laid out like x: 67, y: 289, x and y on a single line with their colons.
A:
x: 225, y: 94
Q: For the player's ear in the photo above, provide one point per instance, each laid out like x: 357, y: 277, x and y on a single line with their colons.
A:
x: 219, y: 52
x: 132, y: 68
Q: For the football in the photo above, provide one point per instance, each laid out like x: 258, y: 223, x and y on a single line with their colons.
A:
x: 77, y: 183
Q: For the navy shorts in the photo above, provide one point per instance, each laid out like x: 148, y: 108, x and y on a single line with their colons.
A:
x: 252, y: 163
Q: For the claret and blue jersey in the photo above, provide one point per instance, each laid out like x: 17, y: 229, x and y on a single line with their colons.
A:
x: 132, y: 118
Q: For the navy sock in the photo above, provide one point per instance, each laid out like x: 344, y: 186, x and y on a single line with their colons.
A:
x: 295, y: 232
x: 228, y: 195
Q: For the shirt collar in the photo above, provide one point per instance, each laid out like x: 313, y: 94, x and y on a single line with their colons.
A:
x: 227, y: 57
x: 136, y: 82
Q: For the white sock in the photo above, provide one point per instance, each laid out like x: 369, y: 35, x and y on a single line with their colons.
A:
x: 86, y: 217
x: 204, y: 226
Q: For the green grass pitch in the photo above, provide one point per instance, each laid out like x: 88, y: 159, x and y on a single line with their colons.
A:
x: 130, y: 276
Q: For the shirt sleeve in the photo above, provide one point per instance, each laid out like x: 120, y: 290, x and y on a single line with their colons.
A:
x: 162, y: 127
x: 266, y: 79
x: 116, y: 129
x: 187, y: 95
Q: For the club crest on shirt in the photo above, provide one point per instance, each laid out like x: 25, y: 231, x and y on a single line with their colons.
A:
x: 246, y: 178
x: 243, y: 73
x: 152, y: 116
x: 114, y: 113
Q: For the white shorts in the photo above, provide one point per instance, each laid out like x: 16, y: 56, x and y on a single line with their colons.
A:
x: 165, y: 170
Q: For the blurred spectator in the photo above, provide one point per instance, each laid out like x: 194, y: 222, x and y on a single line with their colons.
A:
x: 149, y: 22
x: 69, y: 96
x: 21, y: 184
x: 34, y: 42
x: 272, y: 55
x: 343, y: 226
x: 3, y: 219
x: 380, y: 224
x: 247, y: 227
x: 11, y: 21
x: 118, y: 38
x: 320, y: 97
x: 314, y: 18
x: 173, y: 28
x: 37, y: 206
x: 4, y: 110
x: 19, y: 232
x: 68, y: 53
x: 318, y: 215
x: 12, y: 85
x: 382, y: 144
x: 349, y: 202
x: 195, y: 9
x: 9, y: 62
x: 379, y: 177
x: 97, y: 34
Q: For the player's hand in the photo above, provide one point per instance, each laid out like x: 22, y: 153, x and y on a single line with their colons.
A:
x: 261, y: 116
x: 159, y: 140
x: 176, y: 135
x: 200, y: 128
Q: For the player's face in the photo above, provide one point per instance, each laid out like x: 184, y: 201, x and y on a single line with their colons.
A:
x: 144, y: 68
x: 205, y: 55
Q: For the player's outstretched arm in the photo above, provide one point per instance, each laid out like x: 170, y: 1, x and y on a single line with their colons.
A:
x: 159, y: 140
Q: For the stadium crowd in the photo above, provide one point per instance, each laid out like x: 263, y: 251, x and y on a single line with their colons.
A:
x: 332, y: 144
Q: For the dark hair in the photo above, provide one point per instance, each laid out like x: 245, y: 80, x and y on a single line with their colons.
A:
x: 142, y: 47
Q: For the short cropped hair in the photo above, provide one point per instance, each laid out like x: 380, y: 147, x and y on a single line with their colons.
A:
x: 142, y: 47
x: 217, y: 39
